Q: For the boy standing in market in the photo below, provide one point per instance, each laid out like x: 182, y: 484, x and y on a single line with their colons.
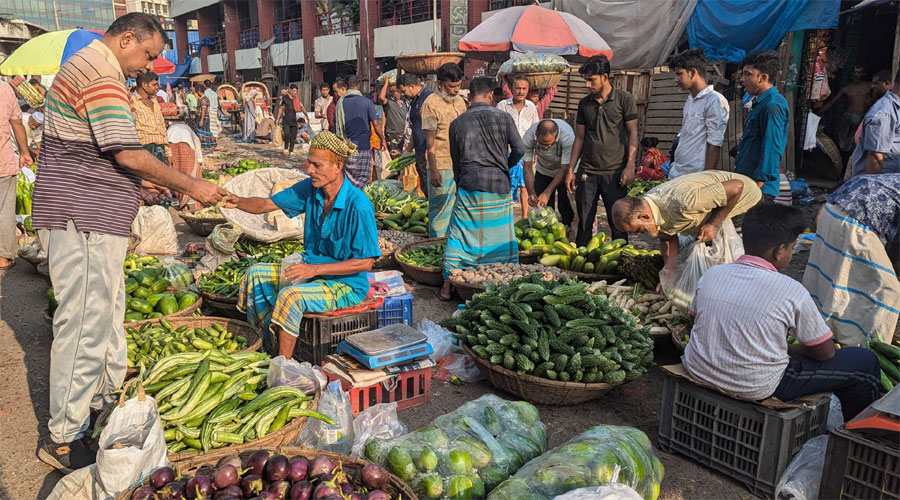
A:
x: 766, y: 126
x: 606, y: 142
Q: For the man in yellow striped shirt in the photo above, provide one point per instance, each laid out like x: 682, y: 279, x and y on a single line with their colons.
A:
x: 148, y: 118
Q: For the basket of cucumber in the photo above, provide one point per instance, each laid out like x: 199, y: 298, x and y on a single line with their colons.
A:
x: 223, y: 304
x: 422, y: 261
x: 465, y: 290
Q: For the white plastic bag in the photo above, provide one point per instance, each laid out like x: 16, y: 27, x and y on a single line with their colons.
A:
x: 835, y: 414
x: 801, y: 479
x: 611, y: 491
x: 290, y: 260
x: 696, y: 258
x: 153, y: 232
x: 303, y: 376
x: 82, y: 484
x: 319, y: 435
x: 378, y: 421
x: 131, y: 445
x: 460, y: 365
x: 440, y: 339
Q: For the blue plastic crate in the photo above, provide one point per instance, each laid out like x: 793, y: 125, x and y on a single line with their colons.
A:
x: 396, y: 310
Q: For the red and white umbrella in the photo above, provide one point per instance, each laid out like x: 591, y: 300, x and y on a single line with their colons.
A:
x: 533, y: 29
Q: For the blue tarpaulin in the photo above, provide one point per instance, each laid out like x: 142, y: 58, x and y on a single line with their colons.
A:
x: 727, y: 30
x: 180, y: 75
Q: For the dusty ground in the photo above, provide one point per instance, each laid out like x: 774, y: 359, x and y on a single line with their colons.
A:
x: 24, y: 363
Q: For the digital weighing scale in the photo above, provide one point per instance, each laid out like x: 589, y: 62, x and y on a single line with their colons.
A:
x: 391, y: 345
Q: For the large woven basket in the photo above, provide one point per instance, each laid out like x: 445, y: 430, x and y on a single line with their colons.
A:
x: 538, y: 390
x: 465, y: 290
x: 206, y: 463
x: 540, y: 80
x: 222, y: 305
x: 184, y: 313
x: 427, y: 63
x: 526, y: 257
x: 432, y: 276
x: 237, y: 327
x: 201, y: 226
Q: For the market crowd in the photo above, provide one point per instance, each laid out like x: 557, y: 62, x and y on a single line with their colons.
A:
x: 476, y: 158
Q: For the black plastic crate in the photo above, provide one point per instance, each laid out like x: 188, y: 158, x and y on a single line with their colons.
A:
x: 861, y: 467
x: 749, y: 442
x: 320, y: 335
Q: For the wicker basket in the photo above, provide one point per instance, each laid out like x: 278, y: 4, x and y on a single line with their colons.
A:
x: 237, y: 327
x: 43, y: 268
x: 427, y: 63
x: 201, y: 226
x: 385, y: 262
x: 610, y: 278
x: 465, y: 290
x: 678, y: 336
x: 351, y: 466
x: 223, y: 305
x: 538, y: 390
x: 526, y: 257
x: 540, y: 80
x: 431, y: 276
x: 31, y: 260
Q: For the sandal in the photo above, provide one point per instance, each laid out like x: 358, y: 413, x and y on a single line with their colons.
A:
x: 437, y: 294
x: 13, y: 263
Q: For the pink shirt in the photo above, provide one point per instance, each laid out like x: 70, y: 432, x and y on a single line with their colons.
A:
x: 9, y: 111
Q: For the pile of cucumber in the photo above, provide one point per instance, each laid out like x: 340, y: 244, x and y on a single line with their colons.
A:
x: 412, y: 218
x: 889, y: 360
x: 152, y: 341
x: 425, y: 255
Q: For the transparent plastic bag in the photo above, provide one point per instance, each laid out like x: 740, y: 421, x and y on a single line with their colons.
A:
x: 290, y: 260
x: 377, y: 422
x: 467, y: 452
x: 589, y: 459
x: 801, y: 479
x: 835, y: 414
x: 303, y: 376
x: 611, y: 491
x: 442, y: 341
x: 337, y: 438
x: 533, y: 63
x: 458, y: 365
x: 176, y: 272
x: 542, y: 217
x: 696, y: 258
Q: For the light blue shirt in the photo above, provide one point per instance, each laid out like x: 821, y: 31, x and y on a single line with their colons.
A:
x: 213, y: 100
x: 548, y: 161
x: 880, y: 133
x: 347, y: 232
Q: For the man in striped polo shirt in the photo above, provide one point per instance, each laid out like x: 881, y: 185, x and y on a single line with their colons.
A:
x: 85, y: 199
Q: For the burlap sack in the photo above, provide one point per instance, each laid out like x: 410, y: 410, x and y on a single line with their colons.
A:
x: 261, y: 183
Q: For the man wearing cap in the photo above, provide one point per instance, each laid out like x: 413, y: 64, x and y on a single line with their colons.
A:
x: 34, y: 128
x: 340, y: 245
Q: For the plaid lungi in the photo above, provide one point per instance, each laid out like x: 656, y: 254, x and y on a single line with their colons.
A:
x: 440, y: 204
x: 265, y: 304
x: 851, y: 279
x: 158, y: 151
x: 207, y: 139
x: 359, y: 168
x: 481, y: 231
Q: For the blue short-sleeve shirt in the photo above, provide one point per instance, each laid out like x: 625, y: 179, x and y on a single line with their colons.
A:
x: 347, y: 232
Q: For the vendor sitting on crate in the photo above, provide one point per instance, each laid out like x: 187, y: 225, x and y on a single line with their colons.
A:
x: 744, y: 312
x: 340, y: 245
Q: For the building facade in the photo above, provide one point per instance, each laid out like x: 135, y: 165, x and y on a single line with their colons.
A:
x: 61, y: 14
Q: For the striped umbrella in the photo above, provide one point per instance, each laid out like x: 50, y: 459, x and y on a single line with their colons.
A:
x: 44, y: 54
x: 533, y: 29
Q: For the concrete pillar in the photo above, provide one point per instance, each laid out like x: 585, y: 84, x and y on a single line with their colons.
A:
x: 266, y: 14
x: 476, y: 9
x: 204, y: 30
x: 310, y: 20
x: 232, y: 38
x: 181, y: 38
x: 369, y: 16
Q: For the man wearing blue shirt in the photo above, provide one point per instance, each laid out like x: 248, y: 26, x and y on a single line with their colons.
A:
x: 340, y: 245
x: 878, y: 150
x: 415, y: 92
x: 355, y: 118
x: 765, y: 128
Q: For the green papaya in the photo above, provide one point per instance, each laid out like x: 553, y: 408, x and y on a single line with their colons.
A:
x: 427, y: 460
x: 131, y: 285
x: 429, y: 486
x: 459, y: 462
x: 459, y: 488
x: 141, y: 292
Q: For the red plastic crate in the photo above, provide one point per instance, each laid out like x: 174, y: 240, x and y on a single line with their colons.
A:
x: 407, y: 389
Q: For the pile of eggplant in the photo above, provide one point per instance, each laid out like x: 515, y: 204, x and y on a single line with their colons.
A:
x: 268, y: 477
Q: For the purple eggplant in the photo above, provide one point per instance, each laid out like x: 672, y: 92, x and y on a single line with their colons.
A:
x: 268, y: 495
x: 355, y: 496
x: 301, y: 490
x: 200, y: 488
x: 161, y: 477
x: 377, y: 495
x: 277, y: 468
x: 225, y: 476
x: 280, y: 488
x: 325, y: 489
x: 172, y: 491
x: 347, y: 488
x: 258, y: 462
x: 373, y: 477
x: 233, y: 460
x: 333, y: 496
x: 144, y: 493
x: 321, y: 465
x: 229, y: 492
x: 297, y: 469
x: 251, y: 485
x: 324, y: 478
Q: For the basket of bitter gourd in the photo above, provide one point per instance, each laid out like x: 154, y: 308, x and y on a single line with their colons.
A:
x: 422, y: 261
x: 551, y: 342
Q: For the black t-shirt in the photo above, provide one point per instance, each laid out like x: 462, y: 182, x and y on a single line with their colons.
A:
x: 605, y: 136
x: 289, y: 114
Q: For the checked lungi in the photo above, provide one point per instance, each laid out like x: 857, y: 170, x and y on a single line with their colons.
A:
x: 851, y: 279
x: 481, y: 231
x: 359, y: 168
x: 264, y: 303
x: 441, y: 201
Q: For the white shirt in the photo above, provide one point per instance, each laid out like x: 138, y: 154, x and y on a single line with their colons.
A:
x: 704, y: 119
x: 524, y: 119
x: 32, y: 135
x: 179, y: 132
x: 744, y: 312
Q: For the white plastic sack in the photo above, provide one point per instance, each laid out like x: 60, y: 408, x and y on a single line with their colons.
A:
x: 378, y: 421
x: 82, y: 484
x: 259, y: 183
x: 611, y: 491
x: 800, y: 481
x: 303, y: 376
x: 694, y: 260
x: 153, y: 232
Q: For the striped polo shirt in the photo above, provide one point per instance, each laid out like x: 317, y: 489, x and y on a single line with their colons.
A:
x: 744, y: 312
x: 88, y: 116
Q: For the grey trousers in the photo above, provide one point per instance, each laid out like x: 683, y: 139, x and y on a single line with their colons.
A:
x: 88, y: 356
x: 8, y: 246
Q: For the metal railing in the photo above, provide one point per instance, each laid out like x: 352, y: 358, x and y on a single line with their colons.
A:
x: 335, y: 23
x: 287, y: 30
x: 219, y: 47
x: 407, y: 12
x: 249, y: 38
